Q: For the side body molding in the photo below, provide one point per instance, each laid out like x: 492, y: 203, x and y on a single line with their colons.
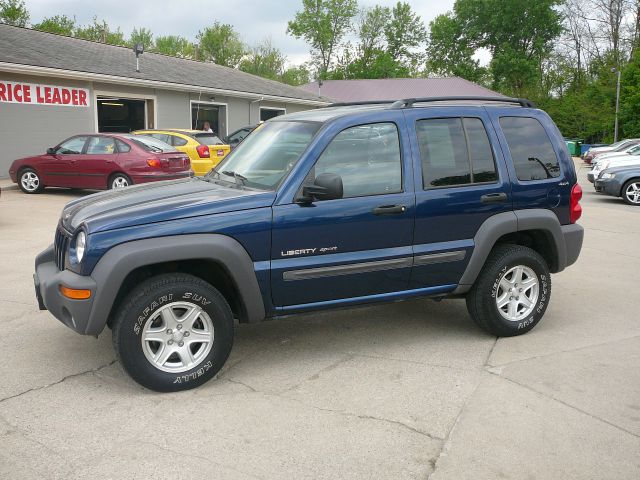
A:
x: 510, y: 222
x: 121, y: 260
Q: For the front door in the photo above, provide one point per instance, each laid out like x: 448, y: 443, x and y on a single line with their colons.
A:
x: 461, y: 182
x: 356, y: 246
x: 58, y: 170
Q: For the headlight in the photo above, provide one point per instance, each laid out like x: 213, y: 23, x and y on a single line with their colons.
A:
x: 606, y: 176
x: 81, y: 243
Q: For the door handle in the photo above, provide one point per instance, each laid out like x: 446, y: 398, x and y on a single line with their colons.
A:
x: 494, y: 198
x: 389, y: 209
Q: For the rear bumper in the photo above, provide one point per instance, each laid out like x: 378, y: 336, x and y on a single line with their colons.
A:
x: 573, y: 237
x: 158, y: 177
x: 74, y: 314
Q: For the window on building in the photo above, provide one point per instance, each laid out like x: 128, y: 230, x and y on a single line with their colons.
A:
x: 366, y: 157
x: 533, y: 155
x: 269, y: 113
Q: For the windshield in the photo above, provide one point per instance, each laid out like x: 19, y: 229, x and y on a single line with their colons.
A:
x: 150, y: 144
x: 265, y: 157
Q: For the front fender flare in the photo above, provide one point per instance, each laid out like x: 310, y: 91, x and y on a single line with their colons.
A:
x: 118, y: 262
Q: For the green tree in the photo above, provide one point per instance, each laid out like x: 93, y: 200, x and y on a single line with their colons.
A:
x: 630, y: 98
x: 60, y: 24
x: 449, y: 51
x: 175, y: 46
x: 296, y: 75
x: 371, y: 34
x: 101, y: 32
x: 405, y: 34
x: 264, y: 60
x: 143, y: 36
x: 518, y: 33
x: 14, y: 12
x: 221, y: 44
x: 323, y: 24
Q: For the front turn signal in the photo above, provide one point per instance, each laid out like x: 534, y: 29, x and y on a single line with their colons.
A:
x: 75, y: 294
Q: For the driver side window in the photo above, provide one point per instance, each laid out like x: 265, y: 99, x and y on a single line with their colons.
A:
x: 366, y: 157
x: 73, y: 146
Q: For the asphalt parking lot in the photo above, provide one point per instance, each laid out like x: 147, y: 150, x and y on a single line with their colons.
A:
x: 407, y: 390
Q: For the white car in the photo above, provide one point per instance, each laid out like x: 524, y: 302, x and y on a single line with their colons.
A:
x: 622, y: 161
x: 630, y: 150
x: 618, y: 146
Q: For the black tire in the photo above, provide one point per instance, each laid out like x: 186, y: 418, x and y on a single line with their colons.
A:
x: 135, y: 316
x: 482, y: 299
x: 26, y: 179
x: 119, y: 178
x: 625, y: 196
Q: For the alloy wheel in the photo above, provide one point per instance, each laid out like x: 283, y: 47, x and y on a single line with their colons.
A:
x: 178, y: 337
x: 518, y: 292
x: 30, y: 181
x: 633, y: 192
x: 119, y: 182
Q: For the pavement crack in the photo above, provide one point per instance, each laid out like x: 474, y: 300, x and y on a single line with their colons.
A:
x: 73, y: 375
x: 180, y: 454
x: 570, y: 350
x: 246, y: 385
x: 562, y: 402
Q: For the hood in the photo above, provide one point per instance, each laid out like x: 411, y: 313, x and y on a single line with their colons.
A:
x: 609, y: 156
x: 159, y: 202
x: 631, y: 161
x: 623, y: 168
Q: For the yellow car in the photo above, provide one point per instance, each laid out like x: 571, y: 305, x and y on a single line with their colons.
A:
x: 205, y: 149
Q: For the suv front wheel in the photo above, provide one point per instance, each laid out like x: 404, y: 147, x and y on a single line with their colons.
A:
x: 512, y: 291
x: 173, y: 332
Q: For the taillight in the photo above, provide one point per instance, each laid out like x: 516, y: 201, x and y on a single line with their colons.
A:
x: 153, y: 162
x: 203, y: 151
x: 576, y: 208
x: 186, y: 162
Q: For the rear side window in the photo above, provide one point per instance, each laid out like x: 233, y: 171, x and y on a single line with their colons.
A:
x: 101, y: 145
x: 178, y: 141
x: 163, y: 137
x: 531, y: 150
x: 454, y: 152
x: 122, y: 146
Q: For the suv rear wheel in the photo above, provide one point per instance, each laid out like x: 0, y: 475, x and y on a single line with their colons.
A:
x: 173, y: 332
x: 512, y: 291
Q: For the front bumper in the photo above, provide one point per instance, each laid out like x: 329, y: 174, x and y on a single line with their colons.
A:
x: 591, y: 176
x: 609, y: 186
x: 75, y: 314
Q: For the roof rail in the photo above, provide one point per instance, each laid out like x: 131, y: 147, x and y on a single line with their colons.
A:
x: 408, y: 102
x: 364, y: 102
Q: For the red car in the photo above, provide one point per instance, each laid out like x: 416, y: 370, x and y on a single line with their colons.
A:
x: 100, y: 161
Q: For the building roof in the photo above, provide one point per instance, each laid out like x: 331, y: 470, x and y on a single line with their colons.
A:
x: 23, y: 46
x: 397, y: 88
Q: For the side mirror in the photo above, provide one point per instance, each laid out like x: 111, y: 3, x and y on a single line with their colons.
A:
x: 327, y: 186
x: 51, y: 151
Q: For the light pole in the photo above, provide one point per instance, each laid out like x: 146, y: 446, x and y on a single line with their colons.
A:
x: 615, y: 134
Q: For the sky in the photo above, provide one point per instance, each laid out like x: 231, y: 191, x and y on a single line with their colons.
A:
x: 254, y: 20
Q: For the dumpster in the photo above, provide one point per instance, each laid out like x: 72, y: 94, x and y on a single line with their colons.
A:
x: 574, y: 146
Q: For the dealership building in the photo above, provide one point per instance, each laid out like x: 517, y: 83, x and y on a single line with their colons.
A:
x: 52, y: 87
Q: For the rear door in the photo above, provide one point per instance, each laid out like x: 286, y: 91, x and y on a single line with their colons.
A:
x: 461, y: 181
x: 359, y: 245
x: 58, y: 170
x: 536, y: 148
x: 96, y: 164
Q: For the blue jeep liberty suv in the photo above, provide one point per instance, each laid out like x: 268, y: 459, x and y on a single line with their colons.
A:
x: 353, y: 204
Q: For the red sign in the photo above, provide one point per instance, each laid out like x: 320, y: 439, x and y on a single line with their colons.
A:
x: 35, y: 94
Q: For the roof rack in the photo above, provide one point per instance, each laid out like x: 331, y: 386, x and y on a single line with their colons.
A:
x: 408, y: 102
x: 365, y: 102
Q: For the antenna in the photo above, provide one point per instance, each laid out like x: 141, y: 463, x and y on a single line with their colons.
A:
x: 138, y: 49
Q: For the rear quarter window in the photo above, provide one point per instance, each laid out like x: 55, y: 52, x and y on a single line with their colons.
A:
x: 531, y: 150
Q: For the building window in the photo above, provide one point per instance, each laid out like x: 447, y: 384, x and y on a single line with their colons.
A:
x: 269, y: 113
x: 215, y: 115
